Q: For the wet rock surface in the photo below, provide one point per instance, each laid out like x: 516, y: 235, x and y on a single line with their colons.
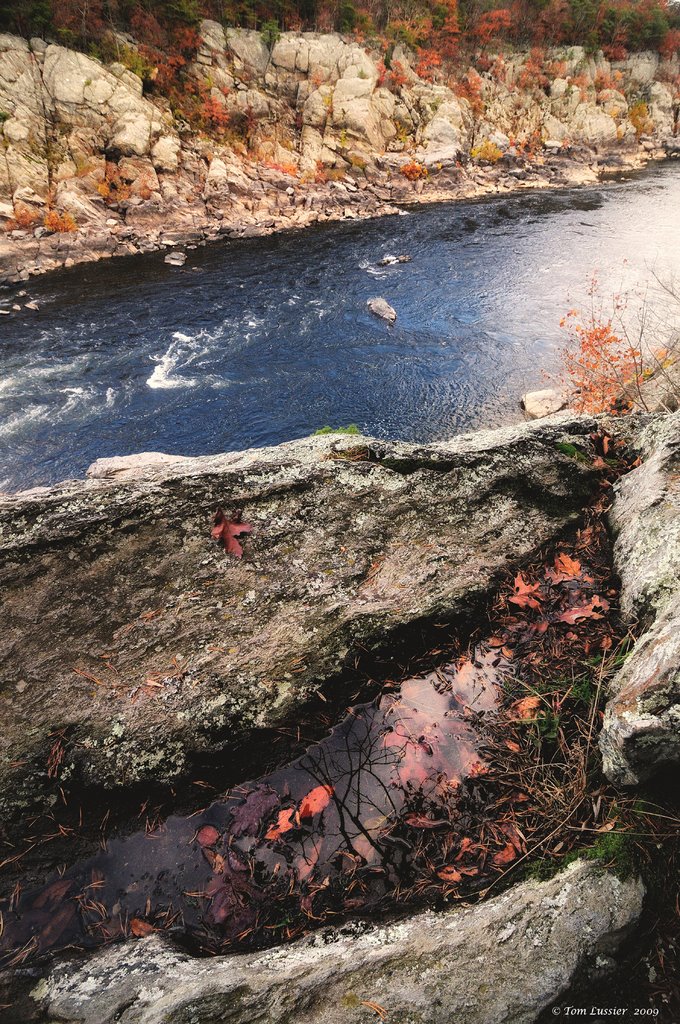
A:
x: 641, y: 732
x: 501, y: 962
x: 130, y: 642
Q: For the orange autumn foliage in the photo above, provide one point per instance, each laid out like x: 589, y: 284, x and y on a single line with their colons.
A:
x: 60, y: 222
x: 414, y: 171
x: 601, y: 366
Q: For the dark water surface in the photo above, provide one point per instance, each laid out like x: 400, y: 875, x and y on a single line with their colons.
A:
x: 260, y: 341
x: 275, y: 856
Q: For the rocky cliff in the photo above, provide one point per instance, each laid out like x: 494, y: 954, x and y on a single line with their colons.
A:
x: 93, y: 167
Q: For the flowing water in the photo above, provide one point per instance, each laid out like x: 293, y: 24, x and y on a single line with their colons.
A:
x: 261, y: 341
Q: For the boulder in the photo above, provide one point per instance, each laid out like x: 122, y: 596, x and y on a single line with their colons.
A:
x: 247, y: 50
x: 382, y: 308
x: 357, y: 545
x: 538, y: 404
x: 165, y: 153
x: 501, y: 962
x: 592, y: 125
x: 641, y: 732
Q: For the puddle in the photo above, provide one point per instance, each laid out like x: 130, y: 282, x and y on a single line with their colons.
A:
x: 333, y: 832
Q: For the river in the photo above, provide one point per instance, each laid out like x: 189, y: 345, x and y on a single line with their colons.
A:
x: 259, y: 341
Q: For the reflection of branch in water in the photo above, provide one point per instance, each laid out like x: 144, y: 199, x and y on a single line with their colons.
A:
x: 352, y: 772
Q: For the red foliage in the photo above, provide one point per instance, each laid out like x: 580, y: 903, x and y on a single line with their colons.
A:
x: 492, y: 24
x: 670, y: 44
x: 428, y: 60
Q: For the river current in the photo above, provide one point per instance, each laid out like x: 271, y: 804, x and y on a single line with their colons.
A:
x: 259, y: 341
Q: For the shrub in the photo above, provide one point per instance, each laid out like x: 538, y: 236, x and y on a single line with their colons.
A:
x: 414, y: 171
x: 638, y: 115
x: 351, y: 428
x: 486, y: 152
x: 670, y: 44
x: 283, y: 168
x: 60, y: 222
x: 470, y: 88
x: 270, y: 34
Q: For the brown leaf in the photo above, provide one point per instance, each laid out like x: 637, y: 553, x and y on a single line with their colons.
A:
x: 140, y: 928
x: 525, y: 708
x: 584, y: 610
x: 566, y: 569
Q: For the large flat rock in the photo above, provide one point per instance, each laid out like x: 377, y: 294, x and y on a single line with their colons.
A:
x: 132, y: 642
x: 500, y: 962
x: 641, y: 732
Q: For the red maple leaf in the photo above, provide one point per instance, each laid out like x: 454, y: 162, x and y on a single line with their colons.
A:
x: 227, y: 531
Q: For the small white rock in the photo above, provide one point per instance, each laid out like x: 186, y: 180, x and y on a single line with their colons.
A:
x: 538, y: 404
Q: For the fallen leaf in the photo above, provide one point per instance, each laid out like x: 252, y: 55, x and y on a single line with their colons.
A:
x: 504, y: 856
x: 450, y: 874
x: 141, y: 928
x: 585, y: 610
x: 525, y: 708
x: 257, y: 806
x: 315, y: 801
x: 207, y: 836
x: 227, y: 531
x: 566, y: 569
x: 284, y: 823
x: 421, y: 821
x: 525, y: 594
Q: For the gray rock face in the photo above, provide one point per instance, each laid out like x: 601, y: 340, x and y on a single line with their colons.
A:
x: 500, y: 962
x: 642, y: 722
x: 123, y: 624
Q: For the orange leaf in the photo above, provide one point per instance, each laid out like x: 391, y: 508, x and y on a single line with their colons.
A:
x: 283, y: 824
x: 565, y: 564
x: 525, y: 594
x: 504, y: 856
x: 141, y: 928
x: 525, y: 708
x: 450, y: 874
x: 315, y: 801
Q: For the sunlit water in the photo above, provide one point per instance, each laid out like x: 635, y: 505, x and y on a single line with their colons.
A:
x: 260, y: 341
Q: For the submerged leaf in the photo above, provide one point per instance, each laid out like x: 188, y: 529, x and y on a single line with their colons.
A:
x: 315, y: 801
x: 207, y: 836
x: 284, y: 823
